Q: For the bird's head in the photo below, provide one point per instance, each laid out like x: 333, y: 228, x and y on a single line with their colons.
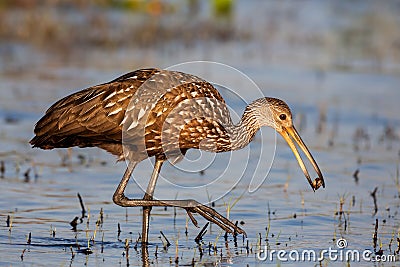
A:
x: 276, y: 113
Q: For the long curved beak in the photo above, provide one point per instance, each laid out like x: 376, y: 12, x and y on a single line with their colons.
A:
x: 290, y: 133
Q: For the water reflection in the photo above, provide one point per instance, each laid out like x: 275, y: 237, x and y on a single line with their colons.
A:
x: 145, y: 255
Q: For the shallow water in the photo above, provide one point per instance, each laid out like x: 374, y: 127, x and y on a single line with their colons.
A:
x: 347, y: 116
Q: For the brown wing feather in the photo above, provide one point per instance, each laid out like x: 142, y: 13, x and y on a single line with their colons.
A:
x: 90, y: 117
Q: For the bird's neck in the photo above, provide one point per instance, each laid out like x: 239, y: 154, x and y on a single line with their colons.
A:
x: 243, y: 132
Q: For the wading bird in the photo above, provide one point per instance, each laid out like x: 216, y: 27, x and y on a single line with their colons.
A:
x: 161, y: 113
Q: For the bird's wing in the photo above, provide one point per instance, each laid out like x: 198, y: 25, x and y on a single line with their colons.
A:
x: 89, y: 116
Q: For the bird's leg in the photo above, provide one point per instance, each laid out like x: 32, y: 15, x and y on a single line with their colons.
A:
x: 119, y: 197
x: 190, y: 205
x: 149, y: 196
x: 145, y: 256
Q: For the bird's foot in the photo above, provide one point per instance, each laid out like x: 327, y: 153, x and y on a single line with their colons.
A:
x: 214, y: 217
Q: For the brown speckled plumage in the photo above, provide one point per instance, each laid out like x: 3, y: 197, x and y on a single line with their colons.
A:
x: 96, y: 117
x: 83, y: 119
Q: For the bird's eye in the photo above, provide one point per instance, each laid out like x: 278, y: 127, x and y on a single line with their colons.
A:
x: 282, y: 116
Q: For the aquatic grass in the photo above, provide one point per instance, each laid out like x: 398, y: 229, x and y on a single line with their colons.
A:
x: 88, y: 239
x: 118, y: 231
x: 334, y: 235
x: 177, y: 249
x: 82, y: 205
x: 396, y: 178
x: 9, y: 221
x: 102, y: 242
x: 230, y: 205
x: 391, y: 241
x: 165, y: 241
x: 176, y: 197
x: 22, y: 254
x: 94, y: 233
x: 100, y: 220
x: 267, y: 228
x: 259, y: 242
x: 186, y: 225
x: 216, y: 242
x: 375, y: 235
x: 88, y: 219
x: 202, y: 232
x: 126, y: 247
x: 277, y: 238
x: 52, y: 231
x: 72, y: 252
x: 373, y: 195
x: 29, y: 238
x: 27, y: 175
x: 339, y: 211
x: 2, y: 169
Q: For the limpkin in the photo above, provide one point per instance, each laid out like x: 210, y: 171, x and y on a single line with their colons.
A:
x: 162, y: 113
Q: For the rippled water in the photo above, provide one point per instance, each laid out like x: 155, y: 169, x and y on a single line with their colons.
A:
x: 348, y: 118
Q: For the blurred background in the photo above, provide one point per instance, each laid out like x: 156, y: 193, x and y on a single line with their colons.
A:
x: 336, y: 63
x: 277, y: 43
